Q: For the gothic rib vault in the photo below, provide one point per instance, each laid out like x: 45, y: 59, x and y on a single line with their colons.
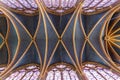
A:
x: 82, y: 49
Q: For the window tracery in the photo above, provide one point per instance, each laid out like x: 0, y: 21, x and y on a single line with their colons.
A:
x: 96, y: 71
x: 27, y: 72
x: 22, y: 6
x: 59, y: 7
x: 61, y: 72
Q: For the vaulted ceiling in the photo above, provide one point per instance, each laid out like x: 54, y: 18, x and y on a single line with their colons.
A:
x: 59, y: 39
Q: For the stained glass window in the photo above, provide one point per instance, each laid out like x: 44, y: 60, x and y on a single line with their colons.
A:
x: 99, y: 72
x: 2, y: 68
x: 62, y: 72
x: 26, y: 6
x: 58, y: 6
x: 31, y: 72
x: 93, y: 5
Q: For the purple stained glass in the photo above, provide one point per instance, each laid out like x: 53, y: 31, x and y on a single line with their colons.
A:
x: 6, y: 2
x: 25, y: 3
x: 32, y: 3
x: 60, y: 72
x: 26, y: 6
x: 60, y: 6
x: 26, y: 73
x: 17, y: 4
x: 92, y: 5
x: 97, y: 72
x: 2, y: 68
